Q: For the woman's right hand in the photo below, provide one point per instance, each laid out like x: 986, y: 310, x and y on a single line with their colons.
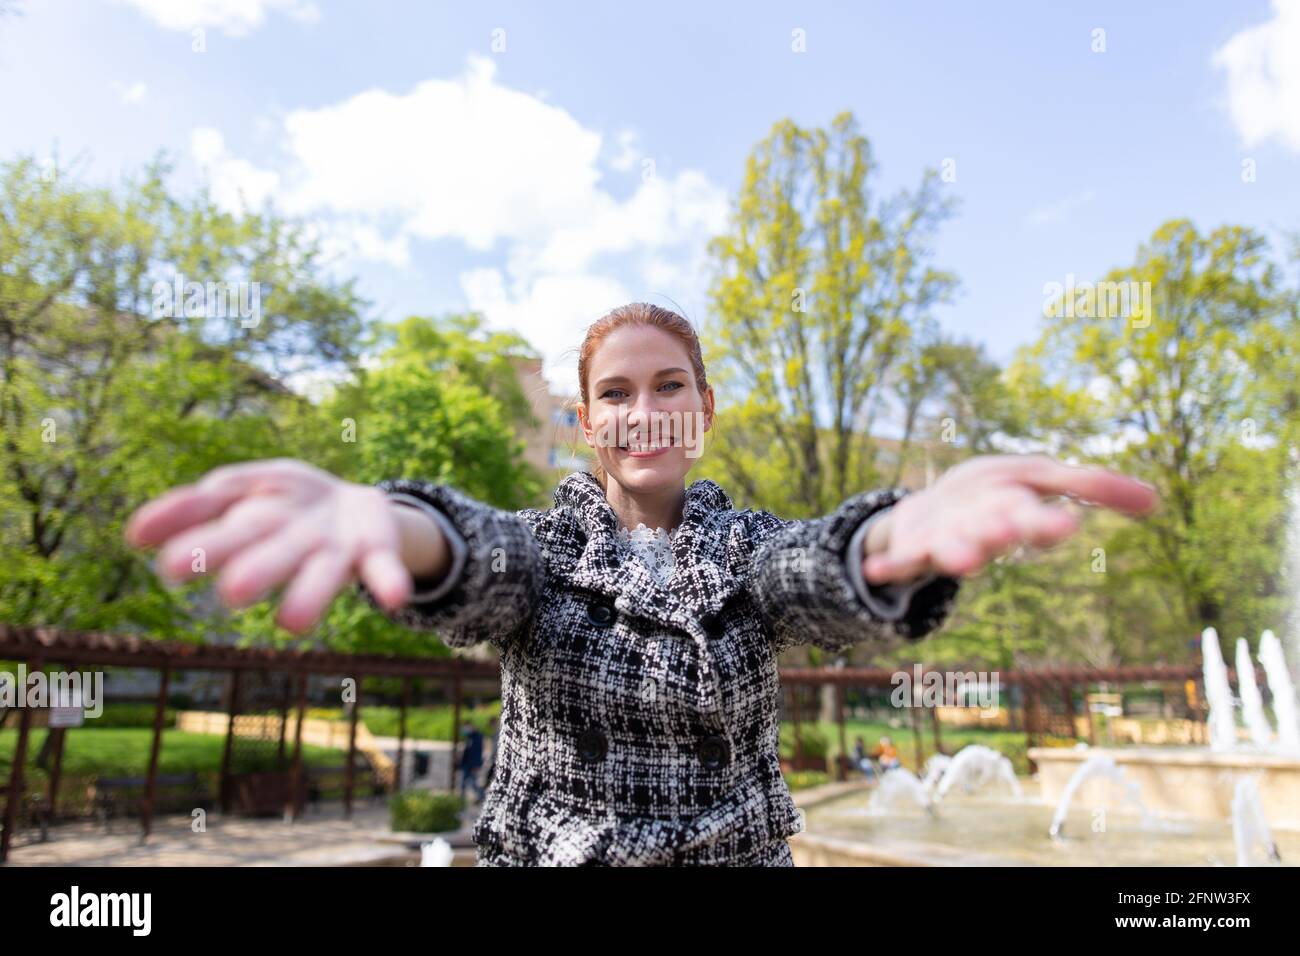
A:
x: 264, y: 523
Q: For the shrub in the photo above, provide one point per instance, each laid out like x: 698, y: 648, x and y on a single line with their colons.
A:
x: 813, y: 741
x: 130, y: 715
x: 423, y: 811
x: 803, y: 779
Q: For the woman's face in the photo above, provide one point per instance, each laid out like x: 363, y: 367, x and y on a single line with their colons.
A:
x: 644, y: 414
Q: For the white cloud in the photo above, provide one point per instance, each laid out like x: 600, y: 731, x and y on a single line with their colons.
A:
x: 232, y: 17
x: 1057, y: 212
x: 553, y: 312
x: 1262, y: 64
x: 500, y: 171
x: 627, y: 151
x: 130, y: 95
x: 236, y: 183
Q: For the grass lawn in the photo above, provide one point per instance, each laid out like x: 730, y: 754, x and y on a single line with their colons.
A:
x: 1009, y: 742
x: 125, y: 752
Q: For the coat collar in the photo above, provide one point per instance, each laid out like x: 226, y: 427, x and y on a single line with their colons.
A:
x: 701, y: 582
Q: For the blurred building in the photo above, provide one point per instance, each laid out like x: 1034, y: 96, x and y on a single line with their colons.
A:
x: 555, y: 446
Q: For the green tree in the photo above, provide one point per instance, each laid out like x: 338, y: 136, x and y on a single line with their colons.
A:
x: 108, y: 396
x: 818, y: 286
x: 1170, y: 390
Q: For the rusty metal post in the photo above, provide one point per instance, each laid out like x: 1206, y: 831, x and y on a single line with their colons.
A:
x: 151, y: 781
x: 917, y: 736
x: 455, y: 733
x: 295, y: 775
x: 842, y: 771
x: 284, y: 721
x: 232, y: 709
x: 934, y: 727
x: 56, y: 775
x: 795, y: 715
x: 401, y: 734
x: 15, y: 798
x: 352, y: 753
x: 1067, y: 698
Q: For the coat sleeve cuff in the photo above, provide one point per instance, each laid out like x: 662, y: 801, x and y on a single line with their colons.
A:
x: 459, y: 550
x: 889, y: 602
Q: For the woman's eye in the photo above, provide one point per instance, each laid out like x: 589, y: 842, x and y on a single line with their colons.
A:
x: 611, y: 391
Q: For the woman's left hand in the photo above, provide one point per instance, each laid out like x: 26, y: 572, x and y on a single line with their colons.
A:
x: 986, y: 506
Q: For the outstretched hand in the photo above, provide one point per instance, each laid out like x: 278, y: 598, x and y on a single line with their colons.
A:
x: 264, y: 524
x: 986, y: 506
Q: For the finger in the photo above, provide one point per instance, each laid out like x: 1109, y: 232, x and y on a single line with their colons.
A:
x: 989, y: 520
x: 248, y: 477
x: 1043, y: 526
x: 1003, y: 516
x: 254, y: 571
x: 321, y: 576
x: 171, y: 513
x: 382, y: 571
x: 248, y: 522
x: 1092, y: 485
x: 900, y: 562
x: 188, y: 505
x: 957, y: 554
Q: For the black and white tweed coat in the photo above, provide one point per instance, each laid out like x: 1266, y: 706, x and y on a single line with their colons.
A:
x: 640, y: 722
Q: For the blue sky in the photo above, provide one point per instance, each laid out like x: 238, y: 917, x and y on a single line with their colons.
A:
x: 494, y: 155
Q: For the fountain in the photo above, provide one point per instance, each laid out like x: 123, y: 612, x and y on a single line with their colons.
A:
x: 1250, y: 831
x: 1198, y: 782
x: 437, y: 852
x: 1283, y: 690
x: 1252, y: 704
x: 899, y: 787
x: 1176, y: 805
x: 934, y: 768
x: 977, y: 766
x: 1096, y: 766
x: 1223, y: 730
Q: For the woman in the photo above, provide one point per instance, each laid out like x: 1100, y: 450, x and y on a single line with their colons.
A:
x: 638, y: 620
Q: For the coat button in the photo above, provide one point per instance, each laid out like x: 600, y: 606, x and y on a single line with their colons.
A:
x: 714, y: 628
x: 602, y: 615
x: 592, y: 746
x: 714, y: 752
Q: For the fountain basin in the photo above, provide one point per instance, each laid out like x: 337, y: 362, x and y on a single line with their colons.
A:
x: 1191, y: 783
x: 976, y: 831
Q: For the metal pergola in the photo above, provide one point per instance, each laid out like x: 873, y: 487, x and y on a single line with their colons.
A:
x: 40, y: 647
x: 1036, y: 687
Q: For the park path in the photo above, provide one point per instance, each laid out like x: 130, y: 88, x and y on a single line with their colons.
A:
x: 317, y: 839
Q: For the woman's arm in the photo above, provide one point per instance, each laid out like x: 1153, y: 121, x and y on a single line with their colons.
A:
x: 806, y: 579
x: 900, y: 571
x: 477, y: 569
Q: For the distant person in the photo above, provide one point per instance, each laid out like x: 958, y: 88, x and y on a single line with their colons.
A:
x: 863, y: 759
x: 471, y: 759
x: 887, y: 754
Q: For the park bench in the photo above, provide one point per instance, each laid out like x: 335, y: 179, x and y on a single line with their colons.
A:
x: 177, y: 791
x: 33, y: 811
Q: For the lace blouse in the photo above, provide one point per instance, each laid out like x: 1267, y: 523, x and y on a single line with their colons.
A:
x: 653, y: 547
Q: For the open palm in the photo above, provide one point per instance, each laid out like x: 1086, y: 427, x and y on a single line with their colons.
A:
x: 263, y: 524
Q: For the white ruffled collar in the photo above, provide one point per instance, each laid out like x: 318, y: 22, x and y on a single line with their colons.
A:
x: 654, y: 546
